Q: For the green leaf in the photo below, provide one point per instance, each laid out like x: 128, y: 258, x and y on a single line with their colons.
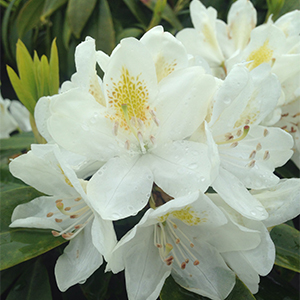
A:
x: 240, y: 292
x: 172, y: 291
x: 54, y: 70
x: 19, y: 244
x: 275, y: 288
x: 44, y: 76
x: 29, y: 16
x: 287, y: 240
x: 6, y: 176
x: 33, y: 284
x: 158, y: 9
x: 105, y: 39
x: 23, y: 94
x: 78, y: 12
x: 21, y: 141
x: 167, y: 14
x: 137, y: 12
x: 8, y: 276
x: 289, y: 5
x: 96, y: 286
x: 50, y: 7
x: 289, y: 170
x: 128, y: 32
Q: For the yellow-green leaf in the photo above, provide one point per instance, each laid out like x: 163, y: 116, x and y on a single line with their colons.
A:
x: 44, y: 76
x: 157, y: 13
x: 23, y: 94
x: 54, y: 70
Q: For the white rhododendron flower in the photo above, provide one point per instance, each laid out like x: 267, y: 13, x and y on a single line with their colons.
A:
x: 187, y: 238
x: 66, y: 210
x: 7, y: 123
x: 140, y: 132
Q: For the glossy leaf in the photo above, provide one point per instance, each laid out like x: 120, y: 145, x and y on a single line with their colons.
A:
x: 167, y: 14
x: 78, y: 12
x: 158, y: 9
x: 287, y: 242
x: 19, y: 244
x: 29, y: 16
x: 275, y: 288
x: 129, y: 32
x: 240, y: 292
x: 288, y: 6
x: 137, y: 12
x: 289, y: 170
x: 51, y: 6
x: 96, y: 286
x: 33, y: 284
x: 21, y: 141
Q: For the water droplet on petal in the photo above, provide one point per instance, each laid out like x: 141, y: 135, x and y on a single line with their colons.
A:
x: 193, y: 166
x: 85, y: 127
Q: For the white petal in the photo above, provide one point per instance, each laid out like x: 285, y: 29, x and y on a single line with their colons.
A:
x: 121, y: 188
x: 8, y: 123
x: 103, y: 236
x: 41, y: 115
x: 42, y: 171
x: 181, y: 167
x: 182, y: 103
x: 237, y: 262
x: 78, y: 123
x: 241, y: 21
x: 280, y: 201
x: 78, y: 262
x: 210, y: 278
x: 21, y: 115
x: 167, y: 52
x: 237, y: 196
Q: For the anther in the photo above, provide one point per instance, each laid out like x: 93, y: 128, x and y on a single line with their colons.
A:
x: 74, y: 216
x: 285, y: 115
x: 266, y: 132
x: 141, y: 123
x: 152, y: 139
x: 58, y: 201
x: 252, y: 155
x: 196, y: 262
x: 55, y: 233
x: 68, y: 208
x: 58, y: 220
x: 140, y: 137
x: 50, y: 214
x: 116, y: 127
x: 127, y: 145
x: 187, y: 260
x: 192, y: 245
x: 233, y: 145
x: 239, y: 132
x: 266, y: 155
x: 177, y: 241
x: 251, y: 164
x: 258, y: 147
x: 78, y: 226
x: 247, y: 121
x: 156, y: 121
x: 183, y: 265
x: 174, y: 225
x: 159, y: 245
x: 77, y: 199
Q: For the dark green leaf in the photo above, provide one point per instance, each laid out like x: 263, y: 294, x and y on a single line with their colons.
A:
x: 274, y: 288
x: 167, y: 14
x: 288, y: 6
x: 29, y: 16
x: 19, y: 244
x: 287, y: 240
x: 289, y: 170
x: 78, y: 12
x: 9, y: 186
x: 8, y: 276
x: 240, y: 292
x: 33, y: 284
x: 137, y: 12
x: 158, y: 9
x: 134, y: 32
x: 17, y: 142
x: 96, y: 287
x: 51, y: 6
x: 6, y: 176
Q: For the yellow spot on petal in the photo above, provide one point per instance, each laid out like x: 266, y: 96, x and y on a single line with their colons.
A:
x: 186, y: 215
x: 261, y: 55
x: 132, y: 91
x: 164, y: 68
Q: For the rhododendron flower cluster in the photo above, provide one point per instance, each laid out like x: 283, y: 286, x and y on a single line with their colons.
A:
x: 204, y: 117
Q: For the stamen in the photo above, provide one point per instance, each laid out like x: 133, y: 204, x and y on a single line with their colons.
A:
x: 116, y: 127
x: 251, y: 164
x: 68, y: 208
x: 141, y: 123
x: 247, y: 121
x: 196, y: 262
x: 258, y: 147
x: 50, y: 214
x: 266, y: 132
x: 127, y: 145
x: 266, y: 155
x: 229, y: 136
x: 252, y: 155
x: 58, y: 220
x: 239, y: 132
x: 156, y: 121
x: 183, y: 265
x: 58, y: 201
x: 55, y: 233
x: 233, y: 145
x: 152, y: 139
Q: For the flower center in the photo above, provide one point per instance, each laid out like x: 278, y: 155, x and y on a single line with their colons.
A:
x: 260, y: 55
x: 173, y: 244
